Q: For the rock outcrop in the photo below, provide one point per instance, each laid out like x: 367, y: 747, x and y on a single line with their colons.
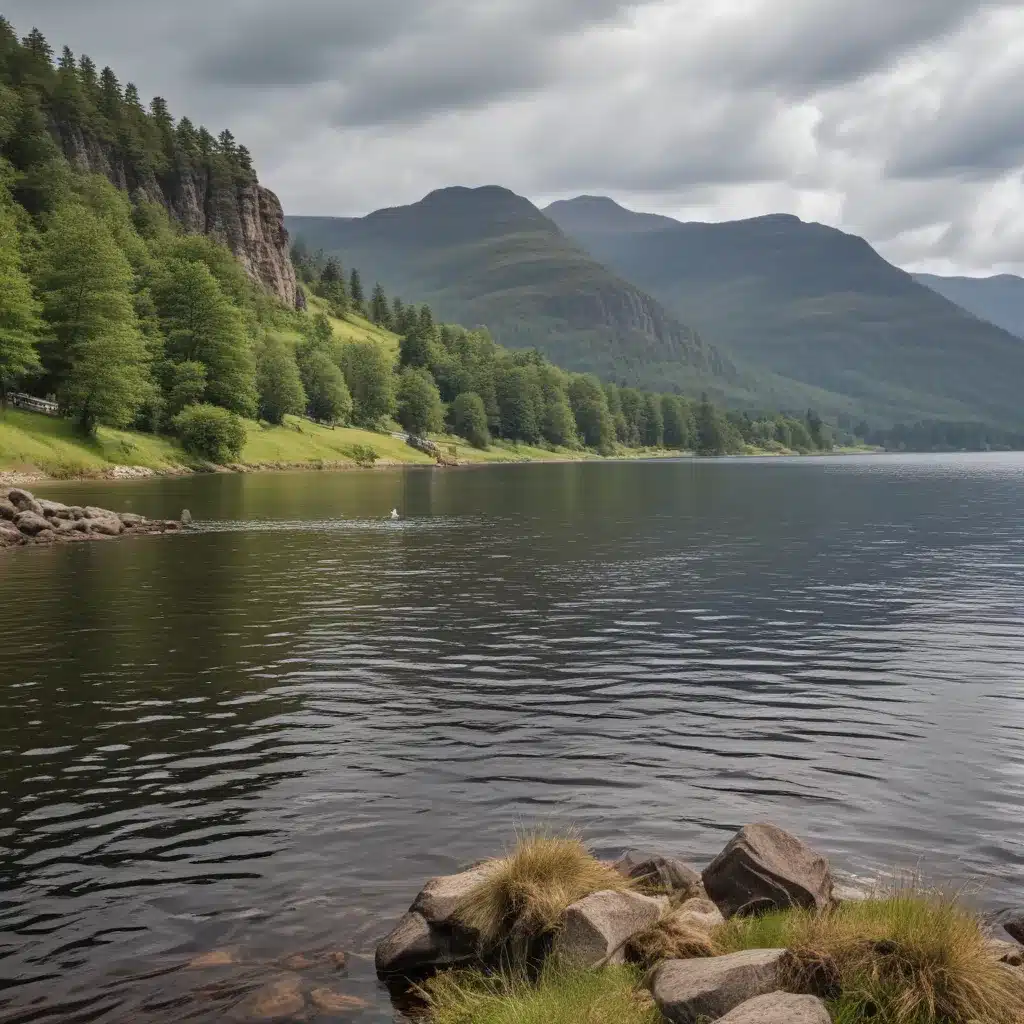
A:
x: 765, y: 868
x: 688, y: 991
x: 243, y: 215
x: 25, y: 520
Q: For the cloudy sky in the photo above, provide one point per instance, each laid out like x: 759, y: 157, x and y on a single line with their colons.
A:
x: 900, y: 120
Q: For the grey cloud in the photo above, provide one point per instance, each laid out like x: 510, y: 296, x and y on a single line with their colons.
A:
x: 816, y: 43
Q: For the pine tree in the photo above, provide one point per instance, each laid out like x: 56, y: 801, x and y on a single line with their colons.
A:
x: 110, y: 96
x: 425, y: 324
x: 397, y: 314
x: 202, y: 325
x: 96, y: 356
x: 380, y: 311
x: 19, y: 311
x: 710, y: 430
x: 71, y: 104
x: 355, y: 291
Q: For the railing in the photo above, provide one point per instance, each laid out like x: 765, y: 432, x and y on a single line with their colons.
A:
x: 32, y: 404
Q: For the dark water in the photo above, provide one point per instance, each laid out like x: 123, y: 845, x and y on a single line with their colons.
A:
x: 261, y: 737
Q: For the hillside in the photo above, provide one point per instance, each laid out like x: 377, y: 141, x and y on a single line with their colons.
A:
x: 998, y: 299
x: 812, y: 303
x: 487, y: 256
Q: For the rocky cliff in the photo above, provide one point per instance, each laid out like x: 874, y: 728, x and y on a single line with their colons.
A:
x: 243, y: 215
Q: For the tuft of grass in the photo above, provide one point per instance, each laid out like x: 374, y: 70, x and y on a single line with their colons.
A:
x: 612, y: 995
x: 523, y: 894
x: 671, y: 939
x: 909, y: 957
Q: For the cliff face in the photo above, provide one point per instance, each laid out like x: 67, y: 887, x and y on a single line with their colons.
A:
x: 245, y: 216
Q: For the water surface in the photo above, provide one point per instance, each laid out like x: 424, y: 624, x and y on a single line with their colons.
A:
x: 262, y: 736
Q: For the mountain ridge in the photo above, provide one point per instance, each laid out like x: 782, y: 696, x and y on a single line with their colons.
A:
x: 814, y: 303
x: 997, y: 299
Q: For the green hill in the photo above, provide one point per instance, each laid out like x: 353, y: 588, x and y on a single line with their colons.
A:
x: 489, y: 257
x: 998, y: 299
x: 815, y: 304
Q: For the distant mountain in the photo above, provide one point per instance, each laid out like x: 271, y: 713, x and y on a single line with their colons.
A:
x: 812, y: 303
x: 999, y: 299
x: 488, y: 256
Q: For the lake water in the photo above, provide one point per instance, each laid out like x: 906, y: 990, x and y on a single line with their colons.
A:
x: 263, y: 735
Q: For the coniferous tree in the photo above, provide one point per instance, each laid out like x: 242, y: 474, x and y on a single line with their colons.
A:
x: 710, y: 429
x: 96, y: 355
x: 380, y: 311
x: 397, y: 314
x: 653, y: 423
x: 355, y: 291
x: 19, y: 311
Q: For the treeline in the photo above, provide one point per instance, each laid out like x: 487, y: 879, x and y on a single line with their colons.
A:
x: 452, y: 378
x: 941, y: 435
x: 48, y: 106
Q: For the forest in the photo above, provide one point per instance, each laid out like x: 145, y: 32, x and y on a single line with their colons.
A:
x: 109, y: 306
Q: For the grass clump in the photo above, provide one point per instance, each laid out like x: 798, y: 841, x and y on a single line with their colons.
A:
x: 523, y: 894
x: 672, y: 938
x: 609, y: 996
x: 906, y: 958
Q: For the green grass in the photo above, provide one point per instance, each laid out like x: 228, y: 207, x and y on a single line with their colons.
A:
x: 355, y: 328
x: 610, y: 996
x: 909, y: 957
x: 33, y: 442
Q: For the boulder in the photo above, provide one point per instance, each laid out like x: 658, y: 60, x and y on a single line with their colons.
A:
x: 107, y: 527
x: 1015, y: 927
x: 414, y: 948
x: 10, y: 535
x: 657, y: 874
x: 20, y: 499
x: 92, y: 512
x: 8, y: 512
x: 54, y: 509
x: 765, y: 868
x: 688, y: 990
x: 1007, y: 952
x: 779, y: 1008
x: 279, y: 998
x: 440, y: 897
x: 699, y: 914
x: 130, y: 519
x: 31, y: 523
x: 597, y: 928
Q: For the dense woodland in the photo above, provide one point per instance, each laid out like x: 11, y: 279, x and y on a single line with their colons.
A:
x: 107, y: 305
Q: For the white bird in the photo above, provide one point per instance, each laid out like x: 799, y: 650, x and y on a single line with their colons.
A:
x: 394, y: 513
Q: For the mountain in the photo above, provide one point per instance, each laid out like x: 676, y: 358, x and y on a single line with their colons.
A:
x: 488, y: 256
x: 816, y: 304
x: 999, y: 299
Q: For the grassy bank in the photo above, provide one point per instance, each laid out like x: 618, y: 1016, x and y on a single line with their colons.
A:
x: 36, y: 445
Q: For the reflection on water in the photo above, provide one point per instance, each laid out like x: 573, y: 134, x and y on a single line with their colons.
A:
x: 261, y: 736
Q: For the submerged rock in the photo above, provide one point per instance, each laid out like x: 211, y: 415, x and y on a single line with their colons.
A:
x: 765, y: 868
x: 596, y: 929
x: 688, y: 991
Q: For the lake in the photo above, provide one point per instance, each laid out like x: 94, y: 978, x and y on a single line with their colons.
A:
x: 263, y: 735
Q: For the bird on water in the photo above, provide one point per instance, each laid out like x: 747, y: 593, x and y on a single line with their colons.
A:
x: 394, y: 513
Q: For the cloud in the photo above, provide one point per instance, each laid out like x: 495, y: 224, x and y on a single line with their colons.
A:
x: 892, y: 118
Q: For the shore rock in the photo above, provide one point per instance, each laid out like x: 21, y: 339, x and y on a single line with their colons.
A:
x: 688, y: 990
x: 657, y: 874
x: 30, y: 521
x: 779, y: 1008
x: 440, y: 897
x: 1011, y: 953
x: 765, y: 868
x: 1015, y: 927
x: 700, y: 914
x: 414, y: 948
x: 596, y: 929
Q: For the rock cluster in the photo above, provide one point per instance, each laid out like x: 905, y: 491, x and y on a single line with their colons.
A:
x: 25, y: 519
x: 761, y: 869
